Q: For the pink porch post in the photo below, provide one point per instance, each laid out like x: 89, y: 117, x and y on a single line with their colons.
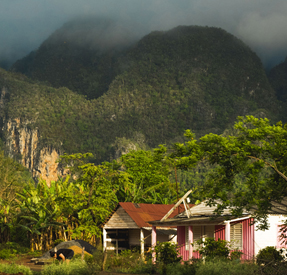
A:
x: 190, y: 241
x: 153, y: 242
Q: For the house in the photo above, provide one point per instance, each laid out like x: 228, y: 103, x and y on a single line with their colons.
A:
x: 128, y: 227
x: 200, y: 222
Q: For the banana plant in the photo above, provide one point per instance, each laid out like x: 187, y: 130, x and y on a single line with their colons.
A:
x: 39, y: 212
x: 6, y: 222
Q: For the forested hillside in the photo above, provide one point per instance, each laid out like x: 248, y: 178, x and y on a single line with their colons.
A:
x: 80, y: 56
x: 197, y: 78
x: 278, y: 80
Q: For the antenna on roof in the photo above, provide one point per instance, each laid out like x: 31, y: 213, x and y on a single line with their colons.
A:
x: 176, y: 205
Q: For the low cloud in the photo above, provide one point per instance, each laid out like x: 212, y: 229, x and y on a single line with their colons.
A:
x: 25, y: 24
x: 266, y: 34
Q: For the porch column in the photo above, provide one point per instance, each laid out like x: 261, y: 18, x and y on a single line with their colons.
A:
x: 153, y: 242
x: 142, y: 242
x: 104, y: 239
x: 190, y: 241
x: 227, y: 231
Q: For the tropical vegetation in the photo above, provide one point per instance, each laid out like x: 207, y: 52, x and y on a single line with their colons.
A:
x: 119, y: 102
x: 150, y: 92
x: 249, y: 166
x: 246, y: 170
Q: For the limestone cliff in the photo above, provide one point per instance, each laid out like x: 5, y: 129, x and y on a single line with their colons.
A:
x: 22, y: 142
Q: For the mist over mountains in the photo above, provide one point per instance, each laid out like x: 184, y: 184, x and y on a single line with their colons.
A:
x: 260, y: 24
x: 81, y: 55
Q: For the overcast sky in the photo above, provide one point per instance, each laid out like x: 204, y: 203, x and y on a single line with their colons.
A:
x: 261, y: 24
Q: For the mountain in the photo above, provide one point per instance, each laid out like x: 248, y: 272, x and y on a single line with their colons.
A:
x: 190, y: 77
x: 80, y: 55
x: 278, y: 80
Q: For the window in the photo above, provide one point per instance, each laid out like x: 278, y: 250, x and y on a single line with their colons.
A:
x: 236, y: 236
x: 199, y: 232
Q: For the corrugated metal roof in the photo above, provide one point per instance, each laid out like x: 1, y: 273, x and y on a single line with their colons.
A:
x: 198, y: 214
x: 203, y: 209
x: 195, y: 220
x: 141, y: 213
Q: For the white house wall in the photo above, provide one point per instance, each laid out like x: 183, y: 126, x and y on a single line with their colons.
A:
x: 268, y: 237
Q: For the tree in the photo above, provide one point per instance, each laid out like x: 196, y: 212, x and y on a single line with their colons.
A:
x: 93, y: 196
x: 38, y: 214
x: 13, y: 177
x: 148, y: 173
x: 250, y: 166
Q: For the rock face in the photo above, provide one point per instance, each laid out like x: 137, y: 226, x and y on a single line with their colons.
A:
x: 22, y: 143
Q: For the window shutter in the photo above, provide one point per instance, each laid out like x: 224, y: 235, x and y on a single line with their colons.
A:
x: 236, y: 236
x: 196, y: 236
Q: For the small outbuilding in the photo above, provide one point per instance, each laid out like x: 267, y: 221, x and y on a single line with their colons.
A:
x: 128, y: 226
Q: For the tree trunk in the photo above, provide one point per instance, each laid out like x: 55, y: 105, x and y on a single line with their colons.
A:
x: 32, y: 243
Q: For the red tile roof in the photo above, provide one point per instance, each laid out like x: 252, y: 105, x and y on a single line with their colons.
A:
x: 142, y: 213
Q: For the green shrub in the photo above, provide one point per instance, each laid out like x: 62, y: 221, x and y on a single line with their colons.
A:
x: 235, y: 255
x: 269, y: 255
x: 270, y: 261
x: 181, y: 269
x: 125, y: 262
x: 7, y: 253
x: 35, y: 253
x: 12, y: 248
x: 75, y: 267
x: 144, y: 268
x: 13, y: 269
x: 167, y: 253
x: 214, y: 249
x: 97, y: 260
x: 278, y: 269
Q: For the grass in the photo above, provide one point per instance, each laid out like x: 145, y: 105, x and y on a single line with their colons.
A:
x: 220, y: 267
x: 130, y: 262
x: 75, y: 267
x: 14, y: 268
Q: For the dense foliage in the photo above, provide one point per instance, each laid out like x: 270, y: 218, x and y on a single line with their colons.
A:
x: 278, y: 80
x: 269, y: 256
x: 249, y: 166
x: 13, y: 178
x: 76, y: 206
x: 81, y: 56
x: 211, y: 248
x: 149, y: 177
x: 189, y: 77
